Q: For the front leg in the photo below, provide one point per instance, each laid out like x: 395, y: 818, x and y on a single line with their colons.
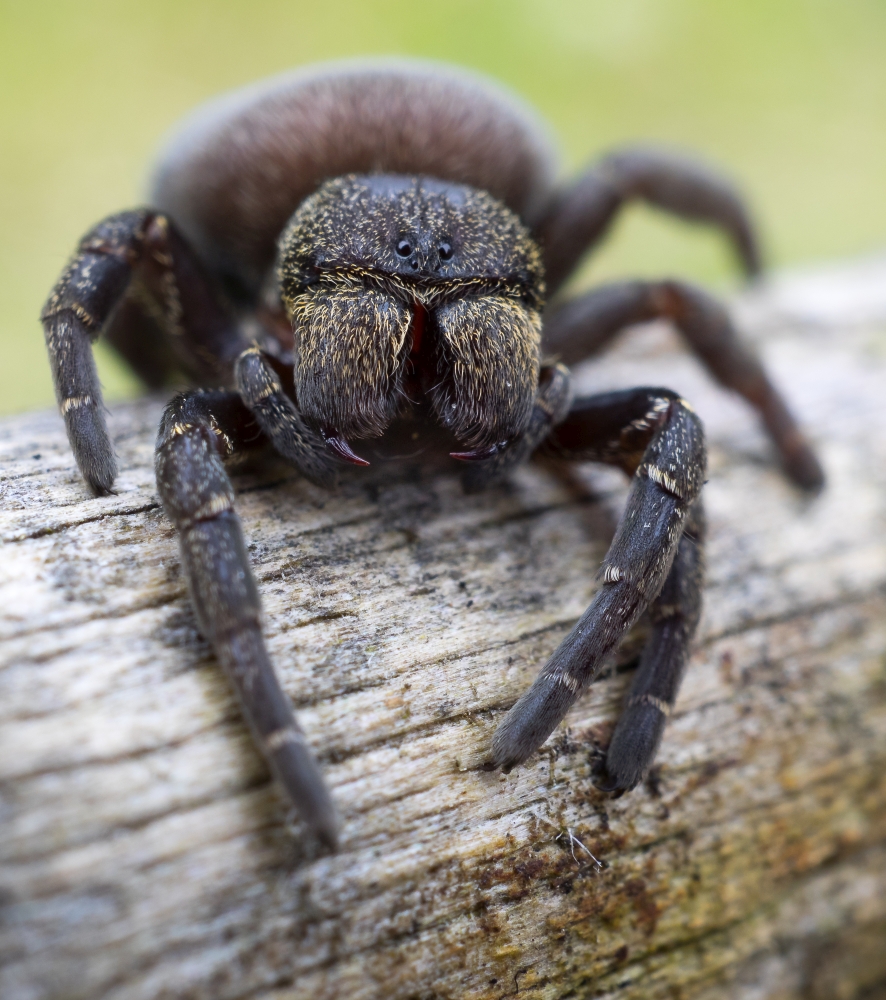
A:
x: 198, y: 430
x: 276, y: 414
x: 674, y: 616
x: 664, y: 492
x: 140, y: 243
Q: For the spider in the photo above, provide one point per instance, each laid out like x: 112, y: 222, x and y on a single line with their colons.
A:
x: 340, y: 249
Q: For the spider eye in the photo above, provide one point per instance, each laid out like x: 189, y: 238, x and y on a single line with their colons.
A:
x: 404, y: 248
x: 445, y: 251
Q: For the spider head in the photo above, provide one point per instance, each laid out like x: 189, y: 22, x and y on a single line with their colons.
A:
x: 400, y: 288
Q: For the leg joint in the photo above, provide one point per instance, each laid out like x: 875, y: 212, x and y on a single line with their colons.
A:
x: 652, y: 701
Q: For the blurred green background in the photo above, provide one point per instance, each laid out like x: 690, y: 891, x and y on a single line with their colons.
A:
x: 789, y: 96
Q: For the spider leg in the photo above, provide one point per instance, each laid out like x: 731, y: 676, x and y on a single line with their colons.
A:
x: 580, y: 215
x: 660, y: 430
x: 134, y: 332
x: 199, y: 430
x: 141, y: 243
x: 605, y: 428
x: 274, y: 411
x: 674, y: 616
x: 586, y: 324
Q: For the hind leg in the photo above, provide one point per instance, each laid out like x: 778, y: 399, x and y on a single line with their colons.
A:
x: 588, y: 323
x: 581, y: 214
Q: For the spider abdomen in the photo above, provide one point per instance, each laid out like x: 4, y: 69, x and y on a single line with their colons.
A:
x: 239, y: 166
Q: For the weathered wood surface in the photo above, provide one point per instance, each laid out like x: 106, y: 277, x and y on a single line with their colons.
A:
x: 145, y: 854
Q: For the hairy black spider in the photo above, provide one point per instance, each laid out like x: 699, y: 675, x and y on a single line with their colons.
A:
x: 339, y: 248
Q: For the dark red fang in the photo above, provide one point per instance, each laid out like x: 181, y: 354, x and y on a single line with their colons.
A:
x: 418, y: 328
x: 478, y: 456
x: 340, y: 447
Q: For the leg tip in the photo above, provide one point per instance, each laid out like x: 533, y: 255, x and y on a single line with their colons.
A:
x: 296, y: 769
x: 614, y: 785
x: 102, y: 485
x: 805, y: 471
x: 531, y: 721
x: 798, y: 460
x: 92, y: 448
x: 503, y: 757
x: 100, y: 476
x: 326, y: 834
x: 318, y: 824
x: 632, y: 750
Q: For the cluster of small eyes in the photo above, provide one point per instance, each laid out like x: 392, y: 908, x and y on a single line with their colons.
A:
x: 404, y: 249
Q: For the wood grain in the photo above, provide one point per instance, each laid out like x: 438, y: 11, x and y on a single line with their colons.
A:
x: 146, y: 855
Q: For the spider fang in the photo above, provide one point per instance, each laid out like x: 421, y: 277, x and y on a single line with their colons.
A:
x: 340, y: 447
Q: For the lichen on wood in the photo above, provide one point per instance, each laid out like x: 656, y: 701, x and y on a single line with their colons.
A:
x: 146, y: 854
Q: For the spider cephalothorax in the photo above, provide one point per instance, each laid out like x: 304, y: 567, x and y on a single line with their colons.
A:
x: 391, y: 280
x: 336, y: 248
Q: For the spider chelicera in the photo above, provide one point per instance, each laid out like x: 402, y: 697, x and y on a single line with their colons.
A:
x: 346, y: 247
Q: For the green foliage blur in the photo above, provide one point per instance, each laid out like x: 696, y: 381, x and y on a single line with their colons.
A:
x: 788, y: 96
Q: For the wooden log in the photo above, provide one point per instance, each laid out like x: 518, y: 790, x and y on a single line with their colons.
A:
x: 145, y: 853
